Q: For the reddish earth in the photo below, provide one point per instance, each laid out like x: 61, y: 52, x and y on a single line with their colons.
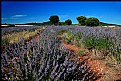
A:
x: 99, y: 67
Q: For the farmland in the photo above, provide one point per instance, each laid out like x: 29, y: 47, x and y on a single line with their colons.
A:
x: 61, y: 53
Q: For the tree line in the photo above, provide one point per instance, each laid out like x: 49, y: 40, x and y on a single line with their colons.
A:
x: 82, y: 21
x: 54, y: 20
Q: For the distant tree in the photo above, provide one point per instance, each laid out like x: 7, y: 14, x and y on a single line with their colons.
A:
x: 54, y: 19
x: 68, y: 22
x: 92, y: 22
x: 61, y: 23
x: 81, y: 20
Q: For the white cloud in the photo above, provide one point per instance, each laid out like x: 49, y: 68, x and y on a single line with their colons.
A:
x: 18, y: 16
x: 13, y: 17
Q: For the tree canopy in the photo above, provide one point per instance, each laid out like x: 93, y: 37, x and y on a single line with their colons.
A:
x: 81, y: 20
x: 68, y: 22
x: 92, y: 21
x: 54, y: 19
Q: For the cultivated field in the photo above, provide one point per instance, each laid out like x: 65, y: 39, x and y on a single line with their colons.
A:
x: 61, y: 53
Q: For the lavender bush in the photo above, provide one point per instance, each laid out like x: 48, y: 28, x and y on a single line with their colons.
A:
x: 45, y: 60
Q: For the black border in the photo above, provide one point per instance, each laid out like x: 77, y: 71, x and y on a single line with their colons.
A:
x: 65, y: 0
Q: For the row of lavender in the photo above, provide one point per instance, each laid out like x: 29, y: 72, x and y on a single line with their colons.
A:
x: 106, y: 35
x: 15, y: 29
x: 45, y: 60
x: 113, y: 34
x: 19, y: 28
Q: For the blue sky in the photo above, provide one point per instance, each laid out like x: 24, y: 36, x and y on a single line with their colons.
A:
x: 26, y: 12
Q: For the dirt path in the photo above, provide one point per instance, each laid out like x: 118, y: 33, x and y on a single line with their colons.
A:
x: 99, y: 67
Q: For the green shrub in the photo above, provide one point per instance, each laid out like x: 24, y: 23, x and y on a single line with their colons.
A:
x: 77, y: 38
x: 68, y: 41
x: 103, y: 44
x: 80, y: 53
x: 92, y: 42
x: 89, y: 42
x: 70, y: 37
x: 78, y: 35
x: 61, y: 32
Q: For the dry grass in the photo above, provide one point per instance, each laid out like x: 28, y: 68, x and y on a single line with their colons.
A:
x: 17, y: 36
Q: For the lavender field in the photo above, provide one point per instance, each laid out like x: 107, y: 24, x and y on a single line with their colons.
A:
x: 19, y: 28
x: 44, y: 58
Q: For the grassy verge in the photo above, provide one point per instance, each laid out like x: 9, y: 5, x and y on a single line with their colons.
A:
x: 16, y: 36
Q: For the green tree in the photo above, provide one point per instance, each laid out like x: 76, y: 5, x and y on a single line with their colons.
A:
x: 81, y: 20
x: 92, y: 22
x: 68, y: 22
x: 54, y: 19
